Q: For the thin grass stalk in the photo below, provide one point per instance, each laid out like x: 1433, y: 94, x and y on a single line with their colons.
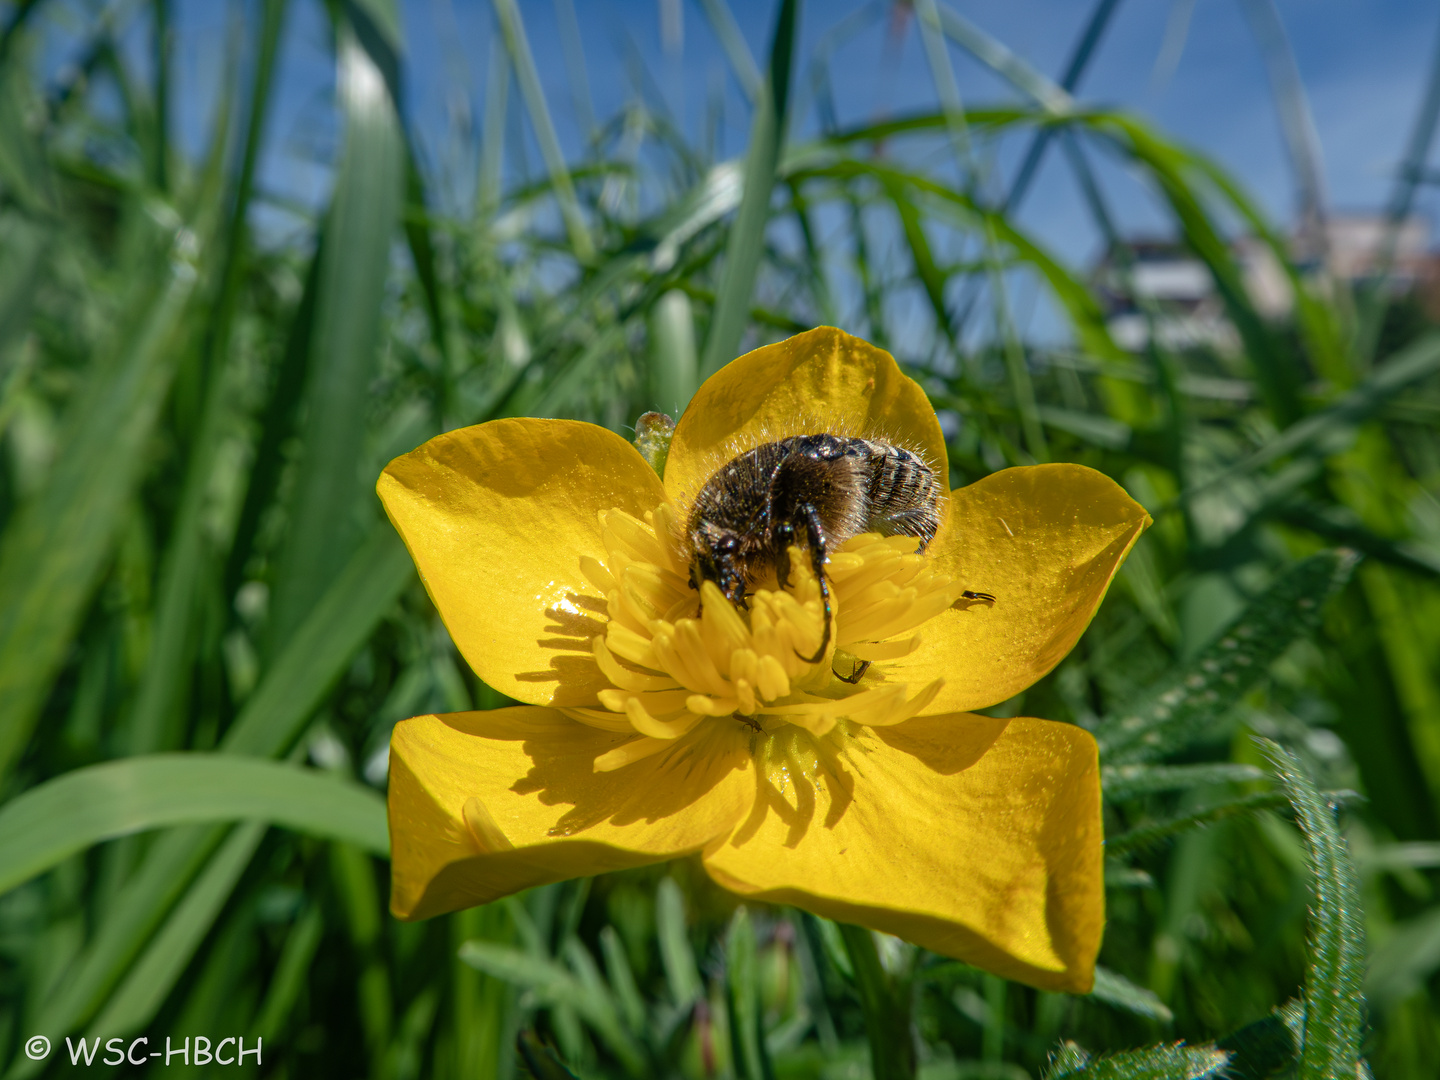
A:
x: 1402, y: 198
x: 23, y: 12
x: 354, y: 265
x: 746, y: 243
x: 1075, y: 68
x: 160, y: 48
x: 44, y: 586
x: 887, y: 1003
x: 161, y: 683
x: 512, y: 27
x: 489, y: 183
x: 1297, y: 123
x: 742, y: 63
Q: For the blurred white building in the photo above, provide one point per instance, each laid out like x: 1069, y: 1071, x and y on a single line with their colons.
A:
x: 1165, y: 285
x: 1160, y: 283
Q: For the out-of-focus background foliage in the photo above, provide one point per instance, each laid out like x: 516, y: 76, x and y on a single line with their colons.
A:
x: 234, y: 283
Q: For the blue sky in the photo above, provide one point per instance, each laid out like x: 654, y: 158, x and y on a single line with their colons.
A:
x: 1363, y: 63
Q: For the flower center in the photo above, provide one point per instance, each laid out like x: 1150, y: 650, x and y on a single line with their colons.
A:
x: 676, y: 657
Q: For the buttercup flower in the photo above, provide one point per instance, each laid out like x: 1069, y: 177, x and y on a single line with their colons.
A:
x: 662, y: 720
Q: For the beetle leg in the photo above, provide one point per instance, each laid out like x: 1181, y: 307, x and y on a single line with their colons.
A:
x: 817, y: 562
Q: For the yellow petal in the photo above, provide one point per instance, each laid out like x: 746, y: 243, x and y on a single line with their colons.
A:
x: 497, y: 518
x: 823, y: 380
x: 1045, y: 541
x: 484, y: 804
x: 976, y: 838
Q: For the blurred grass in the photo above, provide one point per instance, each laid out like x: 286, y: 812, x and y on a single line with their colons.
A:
x: 191, y: 415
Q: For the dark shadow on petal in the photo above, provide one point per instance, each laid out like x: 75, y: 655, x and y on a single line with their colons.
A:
x: 563, y: 755
x: 756, y: 817
x: 966, y: 603
x: 840, y: 786
x: 576, y: 645
x: 572, y: 669
x: 574, y: 623
x: 947, y: 743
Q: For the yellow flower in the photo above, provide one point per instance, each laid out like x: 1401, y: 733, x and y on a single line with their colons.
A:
x: 658, y: 726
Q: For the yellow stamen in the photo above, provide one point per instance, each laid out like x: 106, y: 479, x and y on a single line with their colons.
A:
x: 488, y: 836
x: 626, y: 753
x: 676, y: 657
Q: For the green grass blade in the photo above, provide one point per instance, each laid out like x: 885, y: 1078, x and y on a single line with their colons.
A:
x: 742, y: 63
x: 1408, y: 178
x: 716, y: 194
x: 481, y: 1004
x: 996, y: 56
x: 277, y: 426
x: 422, y: 253
x: 746, y: 243
x: 1181, y: 707
x: 380, y: 21
x: 47, y: 824
x: 922, y: 258
x: 354, y: 880
x: 291, y: 972
x: 1320, y: 322
x: 1150, y: 835
x: 26, y: 175
x: 1271, y: 363
x: 574, y: 49
x: 21, y: 14
x: 148, y: 982
x: 1022, y: 387
x: 354, y: 263
x: 1117, y: 991
x: 540, y: 1060
x: 1083, y: 311
x: 1339, y: 525
x: 518, y: 46
x: 1400, y: 372
x: 273, y: 717
x: 555, y: 985
x: 1093, y: 428
x: 54, y: 548
x: 318, y: 651
x: 490, y: 171
x: 1176, y: 171
x: 676, y: 955
x: 567, y: 385
x: 1085, y: 46
x: 747, y: 1033
x: 26, y: 246
x: 1404, y: 963
x: 622, y: 979
x: 886, y: 1007
x: 167, y: 665
x: 1121, y: 782
x: 1334, y: 1002
x: 161, y: 45
x: 130, y: 919
x: 942, y: 74
x: 165, y: 675
x: 1297, y: 124
x: 587, y: 972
